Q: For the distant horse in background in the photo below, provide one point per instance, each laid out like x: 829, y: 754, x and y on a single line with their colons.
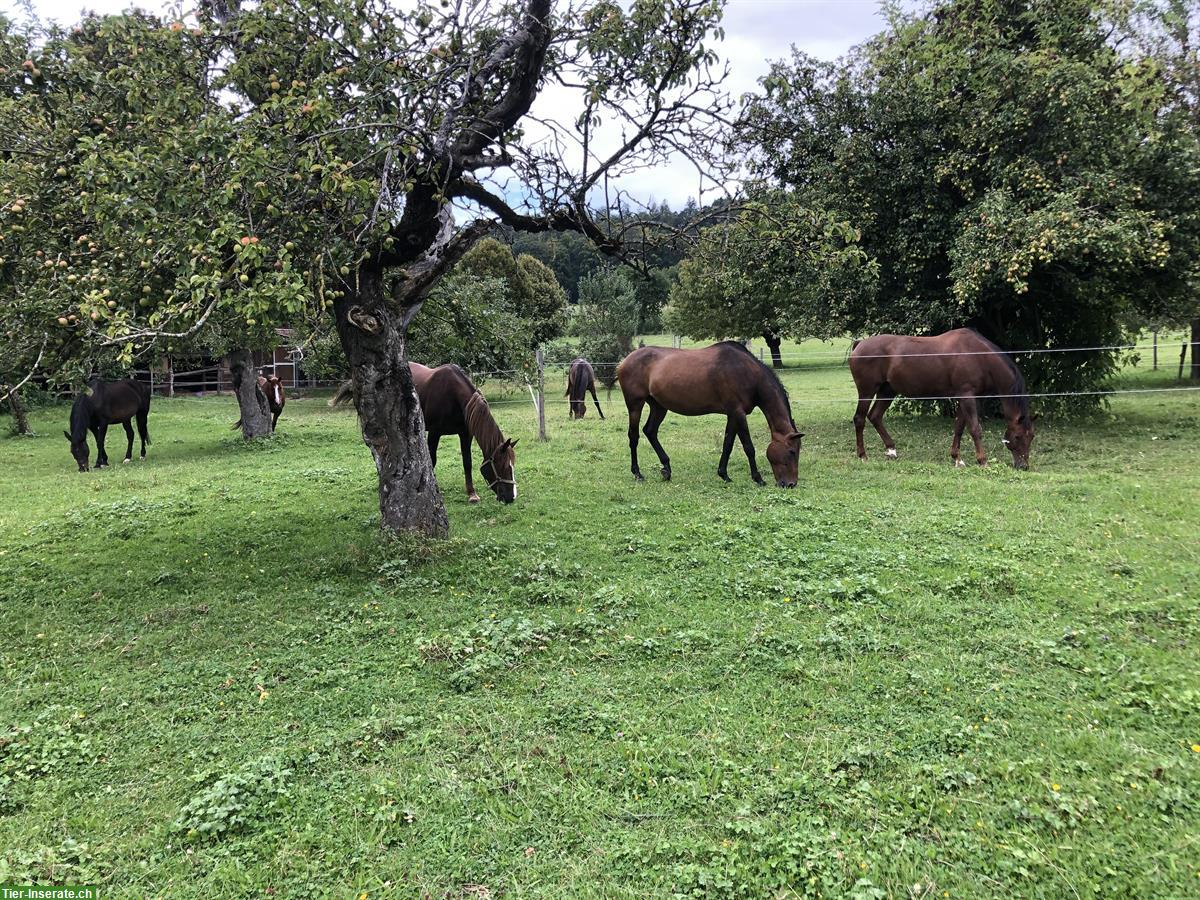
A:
x: 272, y: 388
x: 581, y: 378
x: 106, y: 403
x: 961, y: 363
x: 722, y: 379
x: 451, y: 404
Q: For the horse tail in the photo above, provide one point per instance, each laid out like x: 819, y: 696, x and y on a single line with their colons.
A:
x: 342, y: 394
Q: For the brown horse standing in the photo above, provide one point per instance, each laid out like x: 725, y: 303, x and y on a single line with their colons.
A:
x: 107, y: 403
x: 960, y: 363
x: 581, y: 378
x: 722, y: 379
x: 451, y: 404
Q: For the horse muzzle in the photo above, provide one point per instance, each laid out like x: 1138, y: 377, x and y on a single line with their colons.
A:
x: 785, y: 484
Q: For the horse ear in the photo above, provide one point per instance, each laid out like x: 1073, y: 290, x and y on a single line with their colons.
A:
x: 1035, y: 417
x: 795, y: 435
x: 513, y: 443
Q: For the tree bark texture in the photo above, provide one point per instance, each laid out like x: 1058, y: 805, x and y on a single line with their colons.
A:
x: 20, y: 416
x: 1196, y: 349
x: 252, y: 402
x: 373, y: 335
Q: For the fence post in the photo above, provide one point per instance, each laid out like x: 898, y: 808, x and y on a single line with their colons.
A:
x: 1156, y: 350
x: 541, y: 367
x: 1182, y: 356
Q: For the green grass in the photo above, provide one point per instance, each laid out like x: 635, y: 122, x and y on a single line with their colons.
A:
x: 897, y: 680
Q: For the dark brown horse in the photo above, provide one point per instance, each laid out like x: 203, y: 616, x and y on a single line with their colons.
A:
x: 272, y: 388
x: 960, y: 363
x: 451, y: 404
x: 106, y: 403
x: 581, y: 379
x: 724, y: 379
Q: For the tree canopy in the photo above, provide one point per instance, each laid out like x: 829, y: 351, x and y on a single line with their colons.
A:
x: 256, y: 161
x: 1008, y: 167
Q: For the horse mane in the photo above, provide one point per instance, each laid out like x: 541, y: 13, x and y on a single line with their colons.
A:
x: 1018, y: 389
x: 481, y: 423
x: 787, y: 401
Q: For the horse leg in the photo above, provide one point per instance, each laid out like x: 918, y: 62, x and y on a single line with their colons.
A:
x: 635, y: 419
x: 464, y: 441
x: 275, y: 418
x: 129, y: 437
x: 595, y: 400
x: 860, y: 420
x: 730, y: 434
x: 101, y: 457
x: 960, y: 422
x: 658, y: 412
x: 882, y: 401
x: 143, y: 431
x: 971, y: 412
x: 743, y: 431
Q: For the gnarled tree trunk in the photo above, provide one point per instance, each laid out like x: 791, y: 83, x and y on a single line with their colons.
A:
x: 1196, y: 349
x: 20, y: 417
x: 774, y: 342
x: 252, y: 402
x: 373, y: 335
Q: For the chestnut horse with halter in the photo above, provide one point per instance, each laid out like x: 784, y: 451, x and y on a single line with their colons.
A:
x: 722, y: 379
x: 106, y: 403
x: 272, y: 388
x: 581, y: 378
x: 960, y: 363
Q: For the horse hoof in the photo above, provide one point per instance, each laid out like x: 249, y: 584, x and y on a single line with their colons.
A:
x: 959, y: 464
x: 725, y: 478
x: 666, y: 474
x: 473, y: 498
x: 638, y: 476
x: 891, y: 453
x: 126, y: 461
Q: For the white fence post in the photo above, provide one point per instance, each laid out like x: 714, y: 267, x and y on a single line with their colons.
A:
x: 541, y: 404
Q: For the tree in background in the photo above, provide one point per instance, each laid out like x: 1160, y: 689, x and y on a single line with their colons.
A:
x: 532, y: 292
x: 606, y: 320
x: 1007, y: 167
x: 778, y: 270
x: 263, y: 160
x: 1168, y: 31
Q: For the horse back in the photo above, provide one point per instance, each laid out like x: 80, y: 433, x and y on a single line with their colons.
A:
x: 444, y: 392
x: 946, y: 364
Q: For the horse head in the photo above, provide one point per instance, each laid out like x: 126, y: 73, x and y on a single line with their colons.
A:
x: 79, y: 450
x: 499, y: 471
x: 783, y: 453
x: 1018, y: 438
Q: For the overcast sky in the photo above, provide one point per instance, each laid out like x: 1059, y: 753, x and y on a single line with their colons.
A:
x: 756, y: 31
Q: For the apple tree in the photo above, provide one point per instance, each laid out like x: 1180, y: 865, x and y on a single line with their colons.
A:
x: 263, y: 158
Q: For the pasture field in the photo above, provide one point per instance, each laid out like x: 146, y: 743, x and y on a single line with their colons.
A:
x: 897, y: 680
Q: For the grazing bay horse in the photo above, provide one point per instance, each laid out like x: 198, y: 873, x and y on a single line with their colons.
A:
x: 272, y: 388
x: 106, y: 403
x: 581, y: 379
x: 724, y: 379
x: 960, y: 363
x: 451, y: 404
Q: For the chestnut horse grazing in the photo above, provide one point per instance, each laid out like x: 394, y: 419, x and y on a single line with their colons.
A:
x: 722, y: 379
x: 106, y: 403
x: 451, y: 404
x: 581, y: 378
x: 960, y: 363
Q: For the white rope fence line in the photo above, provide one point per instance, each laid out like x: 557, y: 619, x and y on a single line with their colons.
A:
x: 851, y: 400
